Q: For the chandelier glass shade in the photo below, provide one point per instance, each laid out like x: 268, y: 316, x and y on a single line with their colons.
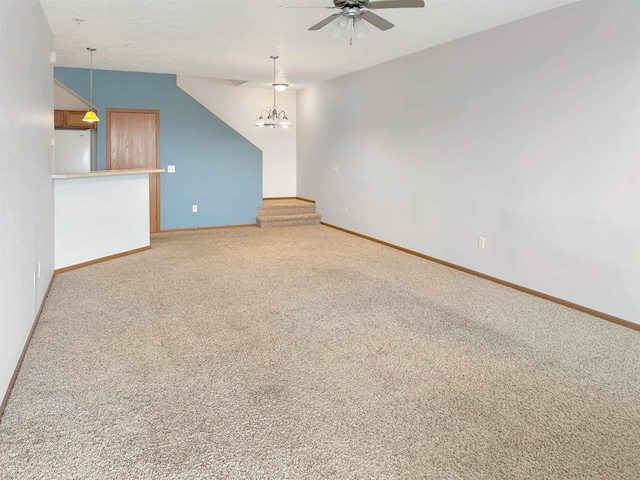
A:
x: 273, y: 118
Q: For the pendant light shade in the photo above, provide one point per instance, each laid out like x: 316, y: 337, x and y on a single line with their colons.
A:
x: 274, y: 118
x: 260, y: 122
x: 285, y: 122
x: 91, y: 116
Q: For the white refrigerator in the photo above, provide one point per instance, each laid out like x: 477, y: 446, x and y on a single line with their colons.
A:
x: 72, y: 151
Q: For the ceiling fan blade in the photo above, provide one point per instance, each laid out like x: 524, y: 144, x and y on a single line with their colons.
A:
x: 325, y: 22
x: 376, y: 21
x: 306, y: 6
x: 397, y: 4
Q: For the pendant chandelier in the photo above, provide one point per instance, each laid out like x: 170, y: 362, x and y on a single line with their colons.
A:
x: 91, y: 116
x: 274, y: 118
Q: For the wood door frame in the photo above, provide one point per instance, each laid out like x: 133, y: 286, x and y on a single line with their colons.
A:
x: 157, y: 163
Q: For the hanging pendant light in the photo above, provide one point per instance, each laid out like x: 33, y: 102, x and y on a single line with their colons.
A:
x: 273, y: 118
x: 91, y: 116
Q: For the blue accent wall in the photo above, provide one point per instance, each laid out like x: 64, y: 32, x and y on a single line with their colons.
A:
x: 216, y: 167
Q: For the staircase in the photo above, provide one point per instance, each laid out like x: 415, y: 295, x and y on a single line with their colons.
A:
x: 287, y: 213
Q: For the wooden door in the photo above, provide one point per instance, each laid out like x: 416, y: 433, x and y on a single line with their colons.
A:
x: 133, y: 139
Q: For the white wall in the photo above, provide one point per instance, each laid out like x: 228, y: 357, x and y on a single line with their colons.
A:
x: 526, y: 134
x: 65, y: 99
x: 112, y: 218
x: 26, y: 191
x: 240, y: 107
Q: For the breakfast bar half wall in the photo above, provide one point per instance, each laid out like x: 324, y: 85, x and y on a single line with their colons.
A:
x: 100, y: 214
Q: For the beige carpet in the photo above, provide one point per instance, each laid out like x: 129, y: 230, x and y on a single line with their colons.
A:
x: 307, y: 353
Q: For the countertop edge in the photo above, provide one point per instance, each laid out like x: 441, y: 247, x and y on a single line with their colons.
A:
x: 107, y: 173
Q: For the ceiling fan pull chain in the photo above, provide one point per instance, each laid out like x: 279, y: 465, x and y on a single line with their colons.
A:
x: 351, y: 28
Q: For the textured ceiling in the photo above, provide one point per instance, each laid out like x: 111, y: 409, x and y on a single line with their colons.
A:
x: 233, y: 39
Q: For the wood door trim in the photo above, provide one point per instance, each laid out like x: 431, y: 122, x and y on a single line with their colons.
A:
x: 157, y: 164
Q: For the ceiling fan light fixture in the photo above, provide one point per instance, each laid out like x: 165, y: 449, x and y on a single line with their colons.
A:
x: 340, y: 27
x: 360, y: 29
x: 280, y: 87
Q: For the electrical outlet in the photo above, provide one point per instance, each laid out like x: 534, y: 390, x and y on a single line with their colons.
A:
x: 346, y: 210
x: 171, y: 169
x: 334, y: 169
x: 481, y: 242
x: 194, y: 208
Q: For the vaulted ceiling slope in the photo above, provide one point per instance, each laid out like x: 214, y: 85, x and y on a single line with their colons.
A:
x: 233, y: 39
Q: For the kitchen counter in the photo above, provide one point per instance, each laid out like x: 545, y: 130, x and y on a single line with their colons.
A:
x: 106, y: 173
x: 100, y: 215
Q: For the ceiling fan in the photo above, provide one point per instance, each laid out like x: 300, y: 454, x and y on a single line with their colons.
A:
x: 356, y: 10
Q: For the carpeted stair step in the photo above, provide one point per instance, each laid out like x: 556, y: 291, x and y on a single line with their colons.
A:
x: 269, y: 221
x: 287, y: 213
x: 280, y: 210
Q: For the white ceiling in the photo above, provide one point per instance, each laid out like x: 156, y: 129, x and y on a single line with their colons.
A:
x: 233, y: 39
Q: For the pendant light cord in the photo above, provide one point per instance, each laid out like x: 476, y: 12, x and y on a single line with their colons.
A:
x: 91, y: 50
x: 91, y: 115
x: 91, y: 80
